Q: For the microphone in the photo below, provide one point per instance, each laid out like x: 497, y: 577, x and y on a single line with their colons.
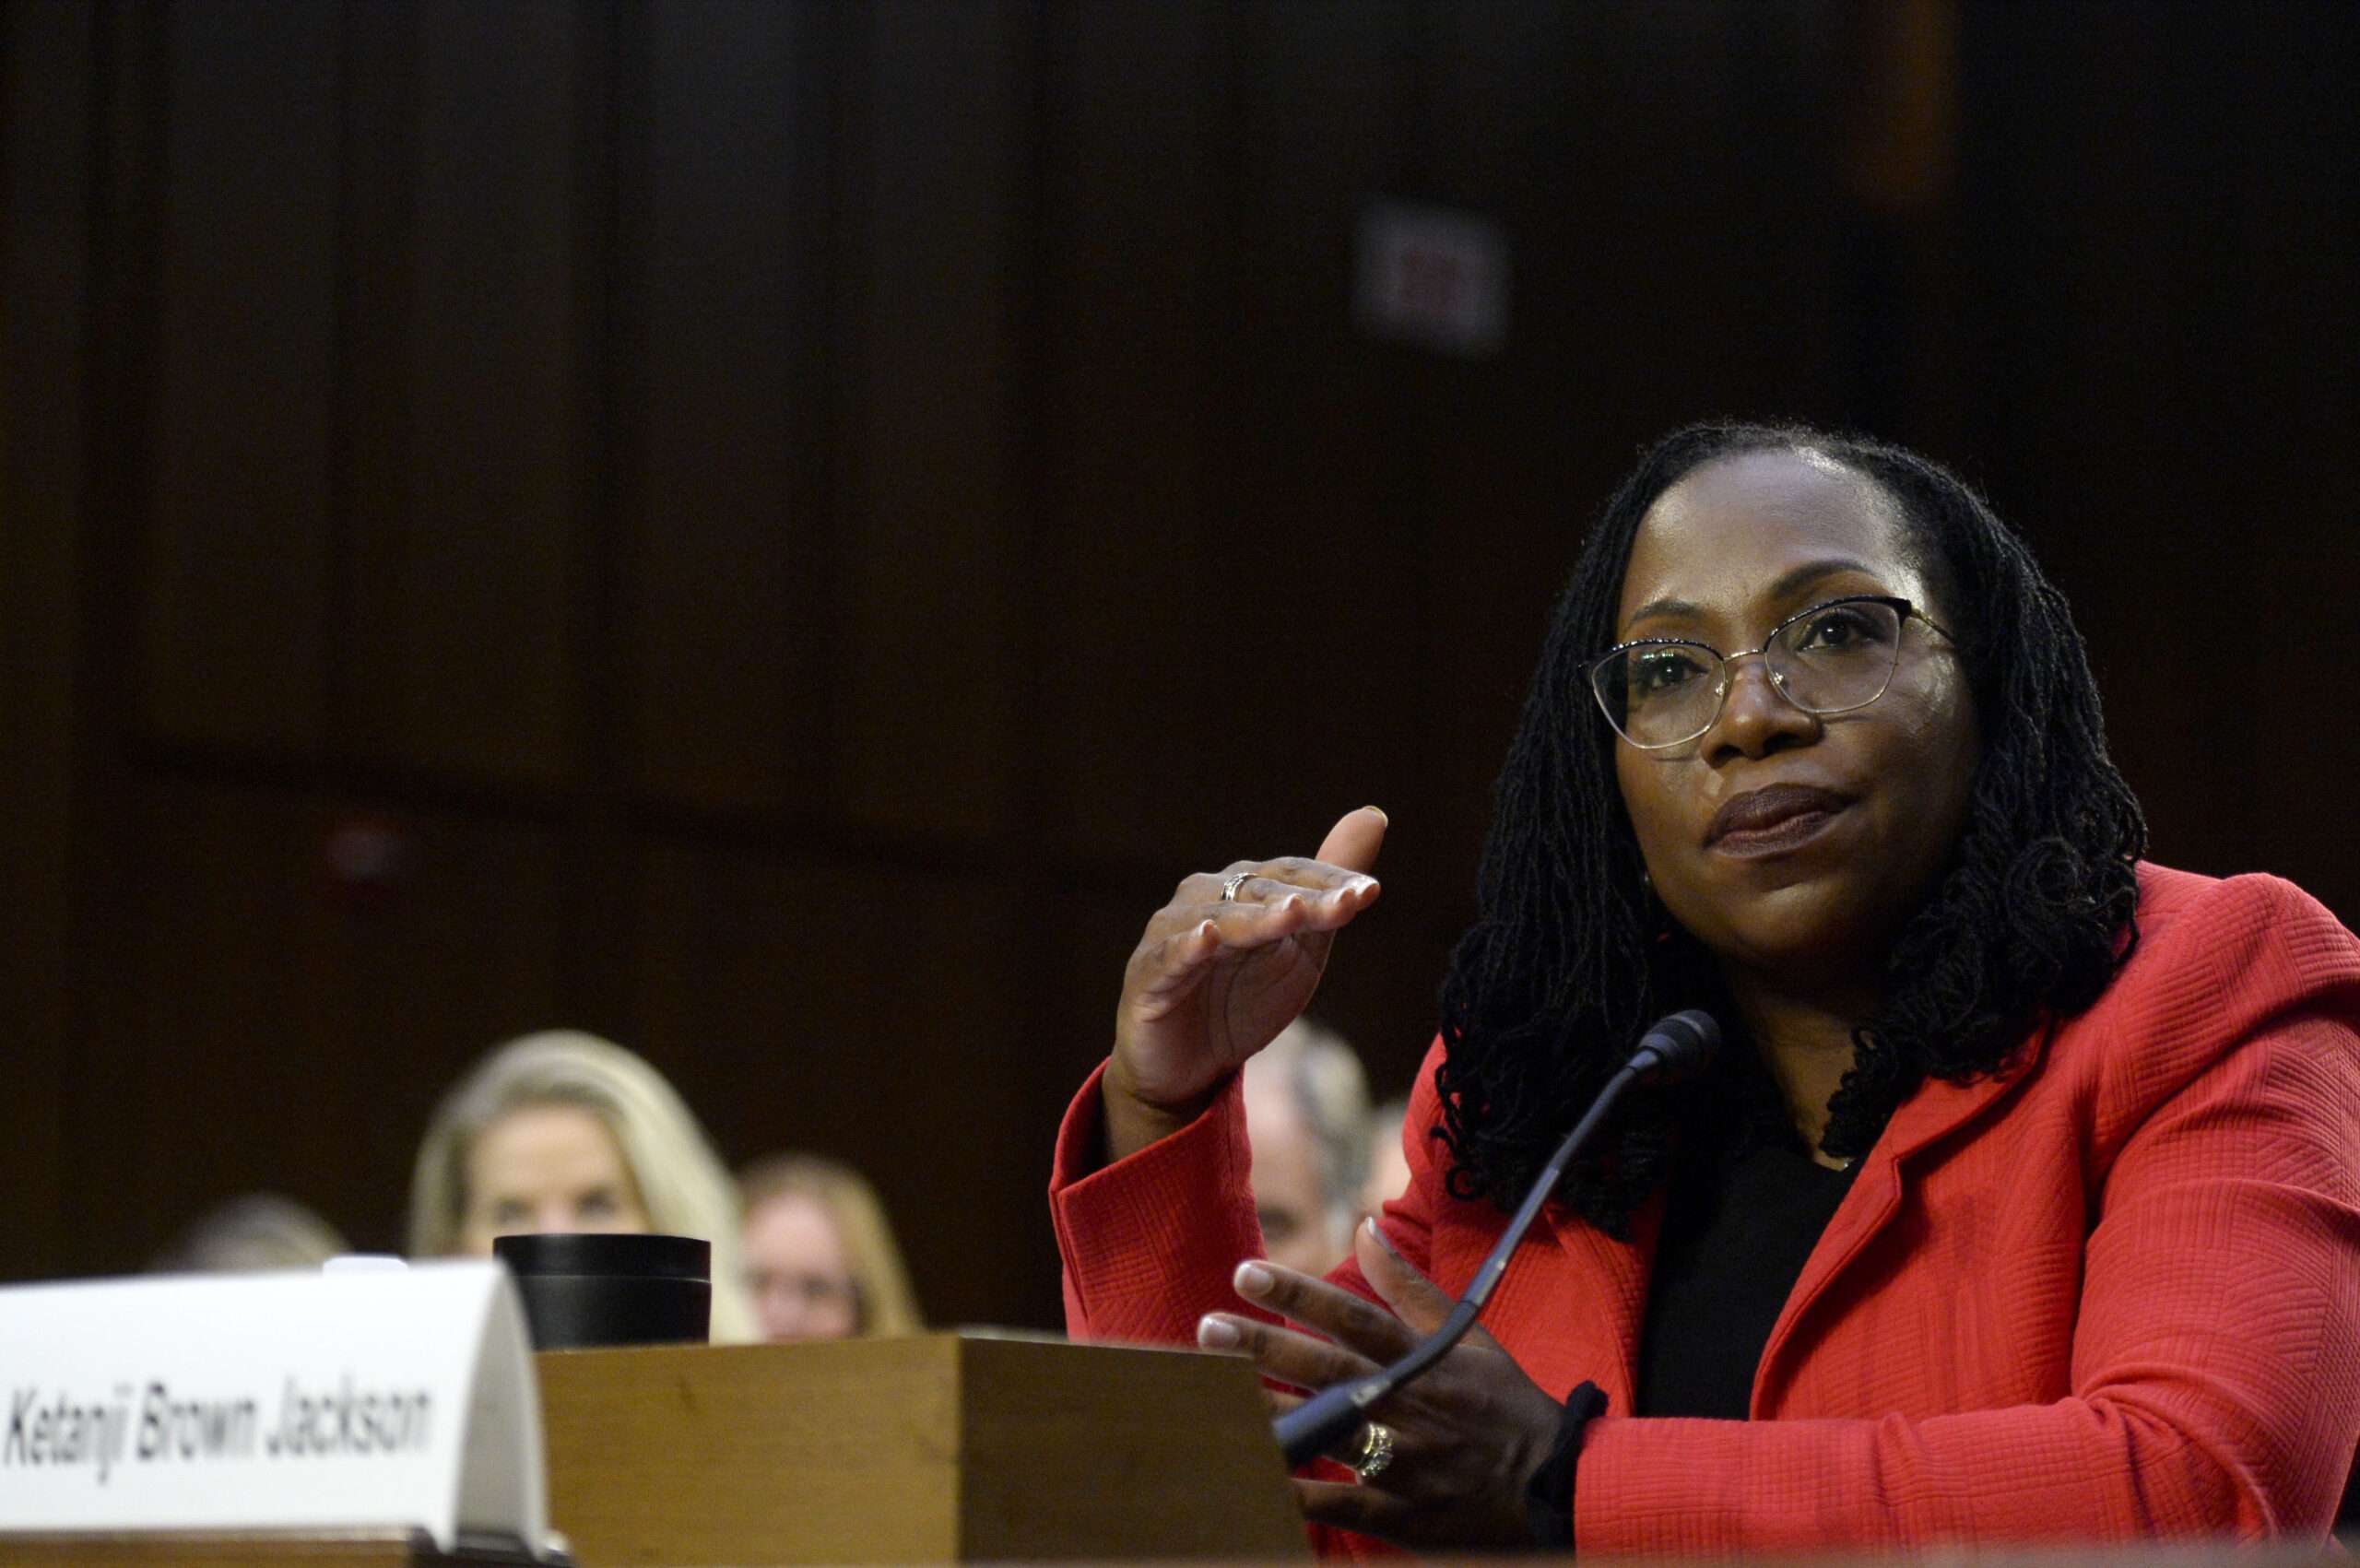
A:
x: 1676, y: 1048
x: 1672, y: 1047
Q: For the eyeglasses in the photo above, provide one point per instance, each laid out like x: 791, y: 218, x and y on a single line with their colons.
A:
x: 1661, y: 691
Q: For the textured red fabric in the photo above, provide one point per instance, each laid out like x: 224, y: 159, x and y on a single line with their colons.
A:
x: 2112, y: 1292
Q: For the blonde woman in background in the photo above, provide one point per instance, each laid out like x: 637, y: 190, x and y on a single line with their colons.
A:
x: 563, y: 1131
x: 821, y: 1262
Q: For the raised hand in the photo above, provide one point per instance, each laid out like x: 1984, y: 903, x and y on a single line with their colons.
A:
x: 1225, y: 966
x: 1467, y: 1437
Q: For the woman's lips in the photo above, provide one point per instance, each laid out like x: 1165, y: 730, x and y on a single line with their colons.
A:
x: 1772, y: 821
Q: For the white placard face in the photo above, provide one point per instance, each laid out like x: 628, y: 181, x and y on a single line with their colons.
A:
x: 271, y: 1401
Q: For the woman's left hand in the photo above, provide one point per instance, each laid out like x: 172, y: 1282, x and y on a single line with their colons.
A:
x: 1468, y: 1436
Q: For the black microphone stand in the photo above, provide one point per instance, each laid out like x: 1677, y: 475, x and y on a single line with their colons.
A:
x: 1320, y: 1422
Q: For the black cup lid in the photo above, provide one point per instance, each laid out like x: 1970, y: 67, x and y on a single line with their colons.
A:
x: 659, y: 1257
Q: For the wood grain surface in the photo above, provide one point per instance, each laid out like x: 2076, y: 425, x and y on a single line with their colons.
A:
x: 932, y: 1449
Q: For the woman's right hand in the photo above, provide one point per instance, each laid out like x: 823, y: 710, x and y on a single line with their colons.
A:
x: 1213, y: 981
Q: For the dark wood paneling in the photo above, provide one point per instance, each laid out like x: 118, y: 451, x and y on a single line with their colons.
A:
x: 931, y: 256
x: 1132, y: 228
x: 1312, y: 536
x: 464, y: 630
x: 235, y: 617
x: 47, y: 81
x: 372, y: 458
x: 869, y: 1015
x: 2167, y: 390
x: 2293, y: 394
x: 1322, y: 525
x: 730, y: 595
x: 271, y: 1020
x: 1518, y: 106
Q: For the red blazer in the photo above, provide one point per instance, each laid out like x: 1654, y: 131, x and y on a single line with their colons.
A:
x: 2113, y: 1292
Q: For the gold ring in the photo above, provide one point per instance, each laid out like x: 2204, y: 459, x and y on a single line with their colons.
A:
x: 1376, y: 1451
x: 1238, y: 880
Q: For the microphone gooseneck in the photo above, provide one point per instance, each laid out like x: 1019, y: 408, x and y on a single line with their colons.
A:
x: 1672, y: 1047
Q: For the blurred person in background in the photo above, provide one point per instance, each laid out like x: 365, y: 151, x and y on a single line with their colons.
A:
x: 1388, y: 1166
x: 562, y: 1131
x: 259, y: 1230
x: 1306, y: 1118
x: 821, y: 1262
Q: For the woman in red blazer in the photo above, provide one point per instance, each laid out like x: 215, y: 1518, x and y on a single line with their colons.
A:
x: 2023, y: 1205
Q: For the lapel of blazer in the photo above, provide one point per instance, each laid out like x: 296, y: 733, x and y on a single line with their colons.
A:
x: 1936, y: 1111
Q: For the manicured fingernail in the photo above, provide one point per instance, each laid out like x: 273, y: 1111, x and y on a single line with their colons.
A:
x: 1380, y: 812
x: 1363, y: 884
x: 1253, y: 1279
x: 1217, y: 1333
x: 1382, y: 1239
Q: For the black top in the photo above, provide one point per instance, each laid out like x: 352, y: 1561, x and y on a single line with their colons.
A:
x: 1735, y: 1238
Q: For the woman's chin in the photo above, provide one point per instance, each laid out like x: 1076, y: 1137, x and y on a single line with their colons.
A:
x: 1808, y: 932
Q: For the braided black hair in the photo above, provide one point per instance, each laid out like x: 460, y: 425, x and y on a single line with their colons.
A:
x: 1569, y: 957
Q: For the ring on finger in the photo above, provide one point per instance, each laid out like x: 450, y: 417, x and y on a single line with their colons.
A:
x: 1236, y: 881
x: 1376, y: 1451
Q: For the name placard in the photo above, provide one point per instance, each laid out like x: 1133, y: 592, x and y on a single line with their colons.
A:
x: 273, y: 1401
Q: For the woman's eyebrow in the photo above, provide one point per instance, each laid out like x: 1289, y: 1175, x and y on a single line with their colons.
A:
x: 1663, y: 607
x: 1789, y: 582
x: 1795, y: 579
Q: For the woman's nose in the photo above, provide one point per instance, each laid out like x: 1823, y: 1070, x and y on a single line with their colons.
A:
x: 1756, y: 716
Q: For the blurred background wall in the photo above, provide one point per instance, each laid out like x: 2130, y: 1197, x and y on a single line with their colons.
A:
x: 776, y: 532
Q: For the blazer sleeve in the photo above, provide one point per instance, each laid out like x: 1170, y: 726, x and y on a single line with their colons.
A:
x: 1149, y: 1242
x: 2215, y: 1372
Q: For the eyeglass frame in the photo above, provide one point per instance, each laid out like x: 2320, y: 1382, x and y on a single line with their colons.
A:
x: 1904, y: 610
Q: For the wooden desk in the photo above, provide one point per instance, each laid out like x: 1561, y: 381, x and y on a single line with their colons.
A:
x: 937, y: 1448
x: 350, y: 1549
